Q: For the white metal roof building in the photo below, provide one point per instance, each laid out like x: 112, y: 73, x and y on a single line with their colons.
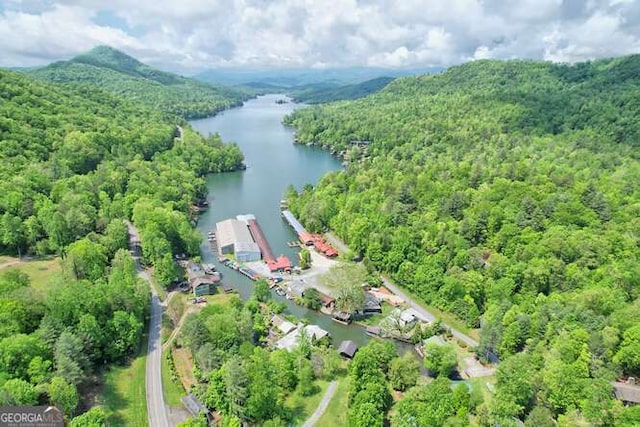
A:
x: 233, y: 236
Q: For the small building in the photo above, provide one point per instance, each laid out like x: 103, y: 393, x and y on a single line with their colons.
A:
x: 326, y: 300
x: 282, y: 263
x: 282, y: 324
x: 202, y: 286
x: 348, y: 349
x: 410, y: 316
x: 373, y: 331
x: 306, y: 238
x: 195, y: 407
x: 371, y: 304
x: 627, y: 392
x: 296, y: 290
x: 194, y: 270
x: 292, y: 339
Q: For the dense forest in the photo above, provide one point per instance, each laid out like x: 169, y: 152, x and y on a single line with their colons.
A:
x: 506, y: 193
x: 122, y: 75
x: 75, y: 163
x: 319, y: 94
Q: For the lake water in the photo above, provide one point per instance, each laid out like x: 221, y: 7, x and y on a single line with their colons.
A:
x: 273, y: 163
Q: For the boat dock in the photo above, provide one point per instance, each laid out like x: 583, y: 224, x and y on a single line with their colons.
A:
x: 309, y: 239
x: 261, y: 240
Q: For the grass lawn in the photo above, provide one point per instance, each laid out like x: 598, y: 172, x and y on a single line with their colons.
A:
x: 123, y: 396
x: 172, y: 391
x: 375, y: 319
x: 336, y: 413
x: 302, y: 407
x: 184, y: 367
x: 40, y: 271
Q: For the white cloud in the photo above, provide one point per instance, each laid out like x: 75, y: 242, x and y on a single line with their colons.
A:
x: 191, y: 35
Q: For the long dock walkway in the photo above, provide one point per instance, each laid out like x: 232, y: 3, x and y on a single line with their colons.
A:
x: 261, y: 240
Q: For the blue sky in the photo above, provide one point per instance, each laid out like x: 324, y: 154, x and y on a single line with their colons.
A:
x: 192, y: 35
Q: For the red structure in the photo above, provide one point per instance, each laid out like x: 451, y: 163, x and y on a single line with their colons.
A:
x: 280, y: 264
x: 323, y: 247
x: 258, y: 236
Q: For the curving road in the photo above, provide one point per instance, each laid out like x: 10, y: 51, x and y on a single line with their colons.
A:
x: 156, y: 408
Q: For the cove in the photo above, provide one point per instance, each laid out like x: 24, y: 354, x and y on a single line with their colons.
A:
x: 273, y: 163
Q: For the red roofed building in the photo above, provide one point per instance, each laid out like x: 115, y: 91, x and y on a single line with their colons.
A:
x: 306, y: 238
x: 280, y: 264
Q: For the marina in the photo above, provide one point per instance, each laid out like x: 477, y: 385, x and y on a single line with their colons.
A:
x: 274, y: 164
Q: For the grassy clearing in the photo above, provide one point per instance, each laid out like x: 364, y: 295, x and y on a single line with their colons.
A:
x: 336, y: 413
x: 184, y: 367
x: 124, y: 395
x: 40, y: 271
x: 172, y: 391
x: 303, y: 406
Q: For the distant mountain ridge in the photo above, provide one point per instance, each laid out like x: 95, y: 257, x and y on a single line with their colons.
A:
x: 320, y: 95
x: 120, y: 74
x: 290, y: 78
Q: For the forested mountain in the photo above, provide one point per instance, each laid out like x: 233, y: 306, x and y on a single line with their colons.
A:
x: 76, y: 162
x: 122, y: 75
x: 507, y: 193
x: 297, y: 77
x: 318, y: 95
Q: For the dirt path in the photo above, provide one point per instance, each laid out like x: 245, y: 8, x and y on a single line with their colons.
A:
x: 9, y: 264
x: 324, y: 403
x: 176, y: 330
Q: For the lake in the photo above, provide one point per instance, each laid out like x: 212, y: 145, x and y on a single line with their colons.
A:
x: 273, y: 163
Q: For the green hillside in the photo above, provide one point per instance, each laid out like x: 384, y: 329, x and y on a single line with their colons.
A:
x: 319, y: 95
x: 76, y: 162
x: 122, y: 75
x: 506, y: 193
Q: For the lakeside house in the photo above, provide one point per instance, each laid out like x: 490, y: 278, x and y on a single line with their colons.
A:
x: 292, y: 340
x: 628, y: 392
x: 347, y: 349
x: 283, y: 325
x: 203, y: 285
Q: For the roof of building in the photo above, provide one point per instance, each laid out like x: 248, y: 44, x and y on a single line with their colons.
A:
x: 245, y: 218
x: 197, y: 281
x: 293, y: 222
x: 409, y: 315
x: 348, y: 348
x: 306, y: 237
x: 371, y: 302
x: 627, y: 392
x: 231, y: 232
x: 296, y: 288
x: 261, y: 240
x: 282, y: 263
x: 194, y: 406
x: 282, y: 324
x: 241, y: 246
x: 326, y: 299
x: 292, y: 339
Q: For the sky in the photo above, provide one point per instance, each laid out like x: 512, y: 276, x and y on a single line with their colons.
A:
x: 189, y: 36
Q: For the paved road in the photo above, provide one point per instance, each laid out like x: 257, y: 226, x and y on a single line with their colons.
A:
x: 428, y: 315
x: 156, y: 408
x: 324, y: 403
